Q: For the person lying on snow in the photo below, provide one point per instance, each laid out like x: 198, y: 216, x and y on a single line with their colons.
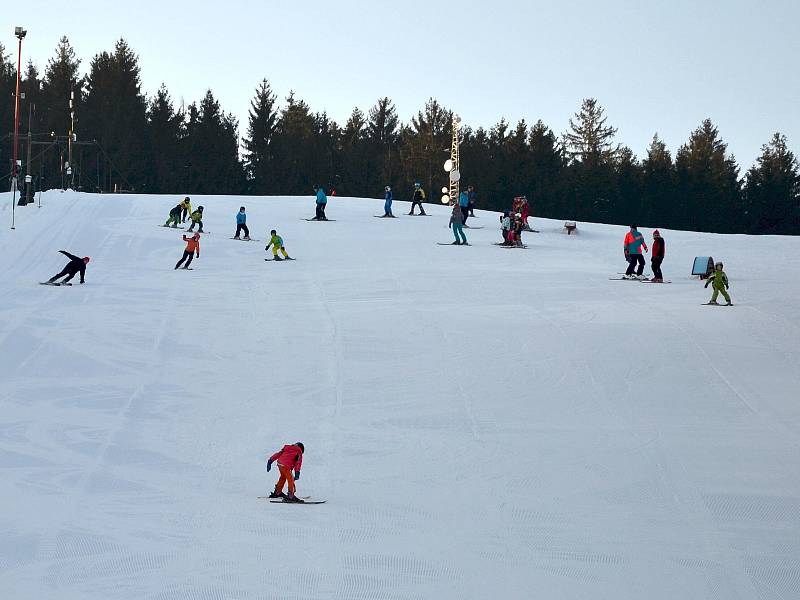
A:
x: 289, y: 457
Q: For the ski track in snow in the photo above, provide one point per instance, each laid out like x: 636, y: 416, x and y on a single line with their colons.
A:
x: 482, y: 424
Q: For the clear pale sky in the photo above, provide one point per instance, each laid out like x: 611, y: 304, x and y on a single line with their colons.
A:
x: 654, y: 66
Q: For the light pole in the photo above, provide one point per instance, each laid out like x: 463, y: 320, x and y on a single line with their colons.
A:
x: 453, y: 166
x: 20, y: 33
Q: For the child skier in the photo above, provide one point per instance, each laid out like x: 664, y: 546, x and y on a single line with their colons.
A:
x: 457, y: 224
x: 419, y: 196
x: 387, y: 205
x: 197, y: 219
x: 276, y: 242
x: 192, y: 248
x: 187, y: 209
x: 74, y: 266
x: 505, y: 224
x: 289, y: 457
x: 473, y: 197
x: 463, y: 202
x: 659, y: 250
x: 174, y: 216
x: 241, y: 224
x: 719, y: 282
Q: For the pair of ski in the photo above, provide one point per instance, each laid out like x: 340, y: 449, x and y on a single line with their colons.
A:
x: 244, y: 240
x: 57, y: 283
x: 305, y: 500
x: 715, y: 304
x: 321, y: 220
x: 639, y: 279
x: 279, y: 260
x: 385, y: 216
x: 452, y: 244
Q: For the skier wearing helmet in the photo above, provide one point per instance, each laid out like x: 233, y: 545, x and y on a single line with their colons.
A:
x: 719, y: 282
x: 387, y: 205
x: 321, y: 201
x: 289, y: 457
x: 419, y: 196
x: 192, y: 249
x: 197, y: 219
x: 659, y: 250
x: 75, y: 265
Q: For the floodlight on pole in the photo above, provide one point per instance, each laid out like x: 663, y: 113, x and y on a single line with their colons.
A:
x: 452, y: 166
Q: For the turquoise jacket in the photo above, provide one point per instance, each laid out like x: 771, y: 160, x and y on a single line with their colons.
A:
x: 321, y: 197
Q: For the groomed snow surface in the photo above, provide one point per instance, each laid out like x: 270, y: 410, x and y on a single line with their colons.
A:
x: 483, y: 422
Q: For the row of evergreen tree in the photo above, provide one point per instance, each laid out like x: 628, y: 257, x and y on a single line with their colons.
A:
x: 152, y: 145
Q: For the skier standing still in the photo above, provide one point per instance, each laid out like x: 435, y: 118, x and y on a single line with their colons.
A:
x: 74, y: 266
x: 463, y: 202
x: 241, y: 224
x: 419, y: 196
x: 186, y: 210
x: 322, y: 201
x: 387, y: 205
x: 456, y: 223
x: 192, y: 248
x: 289, y: 457
x: 473, y: 197
x: 659, y: 250
x: 634, y: 241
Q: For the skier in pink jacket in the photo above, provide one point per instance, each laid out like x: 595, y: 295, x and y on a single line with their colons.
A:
x: 289, y: 457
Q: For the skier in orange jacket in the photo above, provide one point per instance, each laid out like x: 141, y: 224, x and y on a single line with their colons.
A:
x: 192, y: 248
x: 289, y: 457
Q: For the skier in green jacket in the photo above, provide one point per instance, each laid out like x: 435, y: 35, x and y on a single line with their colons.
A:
x: 276, y: 242
x: 719, y: 282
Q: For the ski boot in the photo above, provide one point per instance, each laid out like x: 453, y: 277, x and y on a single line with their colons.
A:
x: 246, y: 238
x: 713, y: 303
x: 236, y: 237
x: 456, y: 243
x: 277, y: 257
x: 293, y: 498
x: 277, y: 495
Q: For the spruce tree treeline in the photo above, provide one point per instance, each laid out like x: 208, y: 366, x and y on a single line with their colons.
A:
x: 151, y: 145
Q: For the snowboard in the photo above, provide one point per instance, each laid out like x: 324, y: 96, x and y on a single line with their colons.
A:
x: 451, y: 244
x: 320, y: 220
x: 277, y: 501
x: 58, y: 283
x: 273, y: 260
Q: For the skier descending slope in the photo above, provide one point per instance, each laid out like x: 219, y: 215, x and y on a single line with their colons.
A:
x: 197, y: 219
x: 419, y: 196
x: 192, y: 247
x: 187, y: 209
x: 634, y: 241
x: 174, y: 216
x: 457, y: 224
x: 289, y: 457
x: 74, y: 266
x: 241, y: 224
x: 322, y: 201
x: 719, y: 282
x: 276, y: 242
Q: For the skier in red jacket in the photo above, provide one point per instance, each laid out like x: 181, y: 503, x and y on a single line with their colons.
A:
x: 289, y: 457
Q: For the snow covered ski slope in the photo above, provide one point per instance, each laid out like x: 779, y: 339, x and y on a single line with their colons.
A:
x: 483, y: 423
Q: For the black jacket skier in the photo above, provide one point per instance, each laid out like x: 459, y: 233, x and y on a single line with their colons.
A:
x: 75, y: 265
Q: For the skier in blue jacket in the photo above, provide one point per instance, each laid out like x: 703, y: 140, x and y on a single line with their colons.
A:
x: 322, y: 200
x: 463, y: 203
x: 387, y: 205
x: 241, y: 220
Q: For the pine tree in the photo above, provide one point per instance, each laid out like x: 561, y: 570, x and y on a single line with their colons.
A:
x: 263, y: 121
x: 627, y: 207
x: 709, y: 196
x: 355, y: 157
x: 61, y: 81
x: 164, y: 126
x: 589, y: 144
x: 382, y: 138
x: 213, y: 149
x: 294, y: 148
x: 772, y: 190
x: 658, y: 186
x: 116, y: 113
x: 426, y: 145
x: 546, y: 171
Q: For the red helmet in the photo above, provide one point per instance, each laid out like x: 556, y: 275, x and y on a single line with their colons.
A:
x: 86, y: 259
x: 656, y: 233
x: 196, y: 236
